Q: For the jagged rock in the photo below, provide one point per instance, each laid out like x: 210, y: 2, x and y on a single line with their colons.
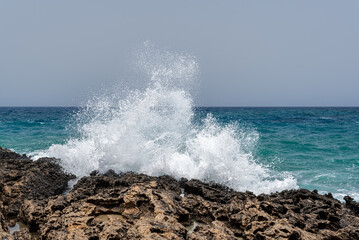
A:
x: 350, y: 203
x: 22, y: 179
x: 136, y: 206
x: 4, y: 231
x: 8, y: 154
x: 3, y: 226
x: 6, y: 236
x: 22, y: 235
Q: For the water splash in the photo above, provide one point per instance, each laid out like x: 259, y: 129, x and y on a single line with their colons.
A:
x: 153, y: 131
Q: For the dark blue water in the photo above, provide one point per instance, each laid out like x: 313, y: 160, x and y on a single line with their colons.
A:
x: 318, y: 146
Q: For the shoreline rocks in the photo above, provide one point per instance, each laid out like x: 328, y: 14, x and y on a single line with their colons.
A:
x: 137, y: 206
x: 22, y: 179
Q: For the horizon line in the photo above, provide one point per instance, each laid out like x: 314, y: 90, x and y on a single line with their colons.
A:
x: 314, y: 106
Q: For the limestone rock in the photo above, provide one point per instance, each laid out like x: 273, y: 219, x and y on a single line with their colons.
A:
x: 136, y: 206
x: 22, y: 179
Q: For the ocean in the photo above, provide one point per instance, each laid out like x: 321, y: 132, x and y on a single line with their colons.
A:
x: 257, y: 149
x: 158, y: 129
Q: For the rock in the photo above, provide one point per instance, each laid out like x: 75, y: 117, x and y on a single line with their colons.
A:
x: 22, y: 235
x: 8, y: 154
x: 6, y: 236
x: 23, y: 179
x: 4, y: 231
x: 351, y: 204
x: 136, y: 206
x: 3, y: 226
x: 12, y: 223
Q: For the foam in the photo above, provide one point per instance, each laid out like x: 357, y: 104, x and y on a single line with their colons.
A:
x: 153, y: 131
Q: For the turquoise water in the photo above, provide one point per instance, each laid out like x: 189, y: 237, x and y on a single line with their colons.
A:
x: 319, y: 147
x: 32, y: 128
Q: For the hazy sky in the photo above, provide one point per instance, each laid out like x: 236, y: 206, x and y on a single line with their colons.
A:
x: 251, y: 53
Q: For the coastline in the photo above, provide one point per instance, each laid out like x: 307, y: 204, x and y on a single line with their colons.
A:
x: 136, y: 206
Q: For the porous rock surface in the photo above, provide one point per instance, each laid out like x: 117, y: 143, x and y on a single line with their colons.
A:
x: 136, y: 206
x: 22, y: 179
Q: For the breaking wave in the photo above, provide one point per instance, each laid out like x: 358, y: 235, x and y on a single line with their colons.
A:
x: 153, y: 131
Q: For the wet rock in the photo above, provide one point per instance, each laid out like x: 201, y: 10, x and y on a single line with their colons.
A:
x: 351, y: 204
x: 8, y: 154
x: 136, y: 206
x: 23, y: 179
x: 12, y: 223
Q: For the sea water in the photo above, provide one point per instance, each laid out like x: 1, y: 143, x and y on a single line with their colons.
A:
x: 318, y: 147
x: 158, y: 130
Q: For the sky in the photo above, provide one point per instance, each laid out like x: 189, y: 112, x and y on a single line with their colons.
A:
x: 250, y: 53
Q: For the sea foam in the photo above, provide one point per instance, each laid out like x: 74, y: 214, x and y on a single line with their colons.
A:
x: 153, y: 131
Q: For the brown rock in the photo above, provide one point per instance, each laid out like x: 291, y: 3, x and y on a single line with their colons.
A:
x: 6, y: 236
x: 22, y: 179
x: 8, y: 154
x: 22, y: 235
x: 12, y: 223
x: 136, y: 206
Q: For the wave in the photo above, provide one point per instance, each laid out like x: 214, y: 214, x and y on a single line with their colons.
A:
x: 153, y: 131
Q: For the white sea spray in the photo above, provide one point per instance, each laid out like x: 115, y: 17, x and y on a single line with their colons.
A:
x: 152, y: 131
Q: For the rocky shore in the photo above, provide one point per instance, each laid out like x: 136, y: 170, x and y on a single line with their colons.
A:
x: 33, y: 205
